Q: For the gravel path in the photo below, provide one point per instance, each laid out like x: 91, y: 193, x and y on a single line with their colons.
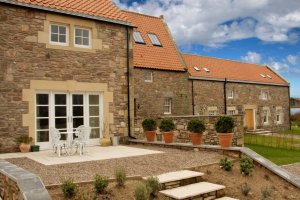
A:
x: 293, y: 168
x: 170, y: 160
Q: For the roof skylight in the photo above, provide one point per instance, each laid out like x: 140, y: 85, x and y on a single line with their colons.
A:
x: 270, y: 77
x: 154, y: 39
x: 197, y: 68
x: 138, y: 37
x: 263, y: 76
x: 207, y: 70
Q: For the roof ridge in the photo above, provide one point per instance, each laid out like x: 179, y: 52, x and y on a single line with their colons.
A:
x: 259, y: 65
x: 145, y: 15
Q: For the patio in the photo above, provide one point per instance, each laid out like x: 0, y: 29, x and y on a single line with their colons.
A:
x: 95, y: 153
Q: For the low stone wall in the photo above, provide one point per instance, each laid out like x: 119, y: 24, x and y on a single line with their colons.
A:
x: 19, y: 184
x: 182, y: 134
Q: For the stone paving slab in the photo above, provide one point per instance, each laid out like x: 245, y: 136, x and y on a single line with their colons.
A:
x: 93, y: 153
x: 295, y: 180
x: 177, y: 176
x: 192, y: 190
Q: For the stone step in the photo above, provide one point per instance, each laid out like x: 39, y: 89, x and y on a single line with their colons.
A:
x: 261, y: 132
x: 226, y: 198
x: 194, y: 190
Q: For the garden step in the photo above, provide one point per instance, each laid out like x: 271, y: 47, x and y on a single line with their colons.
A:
x: 258, y: 131
x: 226, y: 198
x: 194, y: 190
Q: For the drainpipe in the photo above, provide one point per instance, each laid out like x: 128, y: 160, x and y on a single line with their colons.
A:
x: 128, y: 84
x: 290, y: 107
x: 193, y: 100
x: 225, y: 97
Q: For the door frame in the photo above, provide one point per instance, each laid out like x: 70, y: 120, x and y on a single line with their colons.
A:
x: 253, y: 108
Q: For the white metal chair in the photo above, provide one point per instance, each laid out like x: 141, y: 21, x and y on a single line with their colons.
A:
x: 57, y: 144
x: 83, y: 135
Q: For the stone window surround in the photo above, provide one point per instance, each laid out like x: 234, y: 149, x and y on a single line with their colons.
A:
x: 212, y: 110
x: 264, y: 95
x: 67, y: 35
x: 230, y: 94
x: 266, y: 113
x: 70, y: 86
x: 71, y: 22
x: 232, y: 108
x: 148, y: 76
x: 280, y: 113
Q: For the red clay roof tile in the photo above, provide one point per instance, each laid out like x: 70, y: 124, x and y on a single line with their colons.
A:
x: 96, y: 8
x: 146, y: 55
x: 232, y: 70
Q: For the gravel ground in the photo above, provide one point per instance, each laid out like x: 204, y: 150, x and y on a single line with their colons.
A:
x: 293, y: 168
x: 170, y: 160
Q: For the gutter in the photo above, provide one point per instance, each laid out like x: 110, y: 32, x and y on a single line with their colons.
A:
x: 237, y: 81
x: 67, y: 12
x: 128, y: 85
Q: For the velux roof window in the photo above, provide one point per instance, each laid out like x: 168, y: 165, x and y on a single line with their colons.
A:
x: 154, y: 39
x: 138, y: 38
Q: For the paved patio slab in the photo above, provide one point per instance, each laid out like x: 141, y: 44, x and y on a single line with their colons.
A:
x: 94, y: 153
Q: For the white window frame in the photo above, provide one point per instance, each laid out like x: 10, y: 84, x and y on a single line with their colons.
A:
x: 265, y: 115
x: 168, y: 104
x: 148, y: 76
x: 278, y: 114
x: 67, y: 35
x: 138, y: 38
x: 212, y: 112
x: 231, y: 112
x: 230, y: 94
x: 264, y: 95
x: 90, y: 38
x: 154, y: 39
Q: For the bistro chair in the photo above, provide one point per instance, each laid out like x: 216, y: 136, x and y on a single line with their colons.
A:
x: 83, y: 135
x: 57, y: 144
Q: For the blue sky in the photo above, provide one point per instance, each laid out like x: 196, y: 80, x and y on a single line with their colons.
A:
x: 257, y: 31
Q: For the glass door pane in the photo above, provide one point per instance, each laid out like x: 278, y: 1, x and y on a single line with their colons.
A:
x: 77, y: 110
x: 60, y: 113
x: 94, y: 115
x: 42, y: 117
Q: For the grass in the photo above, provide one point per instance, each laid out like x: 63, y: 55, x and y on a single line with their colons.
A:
x: 277, y: 155
x: 282, y: 141
x: 295, y: 131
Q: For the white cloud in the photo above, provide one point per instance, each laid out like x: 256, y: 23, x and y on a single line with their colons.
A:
x: 252, y: 57
x: 292, y: 59
x: 213, y: 23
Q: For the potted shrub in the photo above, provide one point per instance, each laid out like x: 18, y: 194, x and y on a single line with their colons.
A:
x: 24, y: 143
x: 196, y: 128
x: 149, y: 126
x: 167, y: 126
x: 224, y: 128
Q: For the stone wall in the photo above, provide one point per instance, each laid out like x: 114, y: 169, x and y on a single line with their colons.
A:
x: 24, y: 56
x: 150, y: 96
x: 210, y: 135
x: 210, y: 94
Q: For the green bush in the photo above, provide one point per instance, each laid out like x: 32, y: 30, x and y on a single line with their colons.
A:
x: 141, y: 192
x: 149, y: 125
x: 225, y: 124
x: 120, y: 175
x: 153, y: 185
x: 245, y: 188
x: 68, y: 188
x: 246, y: 165
x: 196, y: 126
x: 100, y: 183
x: 24, y: 139
x: 167, y: 125
x: 226, y: 164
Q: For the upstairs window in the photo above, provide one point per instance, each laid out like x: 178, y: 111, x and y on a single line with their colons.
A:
x: 264, y: 95
x: 154, y: 39
x: 230, y: 94
x: 82, y: 37
x: 148, y: 76
x: 212, y: 113
x: 231, y: 112
x: 138, y: 38
x: 168, y: 106
x: 59, y: 34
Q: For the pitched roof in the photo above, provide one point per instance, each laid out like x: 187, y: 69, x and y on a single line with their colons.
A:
x: 103, y: 10
x: 165, y: 57
x: 232, y: 70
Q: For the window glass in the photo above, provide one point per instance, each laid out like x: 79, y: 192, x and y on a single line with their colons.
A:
x: 82, y: 37
x: 148, y: 76
x: 168, y: 106
x: 138, y: 37
x: 58, y: 34
x: 154, y: 40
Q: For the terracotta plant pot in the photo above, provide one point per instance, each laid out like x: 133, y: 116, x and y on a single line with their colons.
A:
x: 150, y: 135
x: 225, y: 139
x: 24, y: 148
x: 168, y: 136
x: 196, y: 138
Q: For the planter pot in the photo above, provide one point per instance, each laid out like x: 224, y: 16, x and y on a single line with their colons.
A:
x: 196, y: 138
x: 24, y: 148
x: 168, y: 136
x: 225, y: 139
x: 104, y: 142
x: 115, y: 140
x: 150, y: 135
x: 35, y: 148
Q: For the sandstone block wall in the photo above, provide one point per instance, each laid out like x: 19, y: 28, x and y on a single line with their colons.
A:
x: 150, y: 96
x: 211, y: 94
x: 24, y: 58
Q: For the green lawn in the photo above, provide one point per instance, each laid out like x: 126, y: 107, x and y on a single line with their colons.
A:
x: 277, y: 155
x: 295, y: 131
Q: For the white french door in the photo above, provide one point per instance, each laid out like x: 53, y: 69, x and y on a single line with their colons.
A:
x: 67, y: 111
